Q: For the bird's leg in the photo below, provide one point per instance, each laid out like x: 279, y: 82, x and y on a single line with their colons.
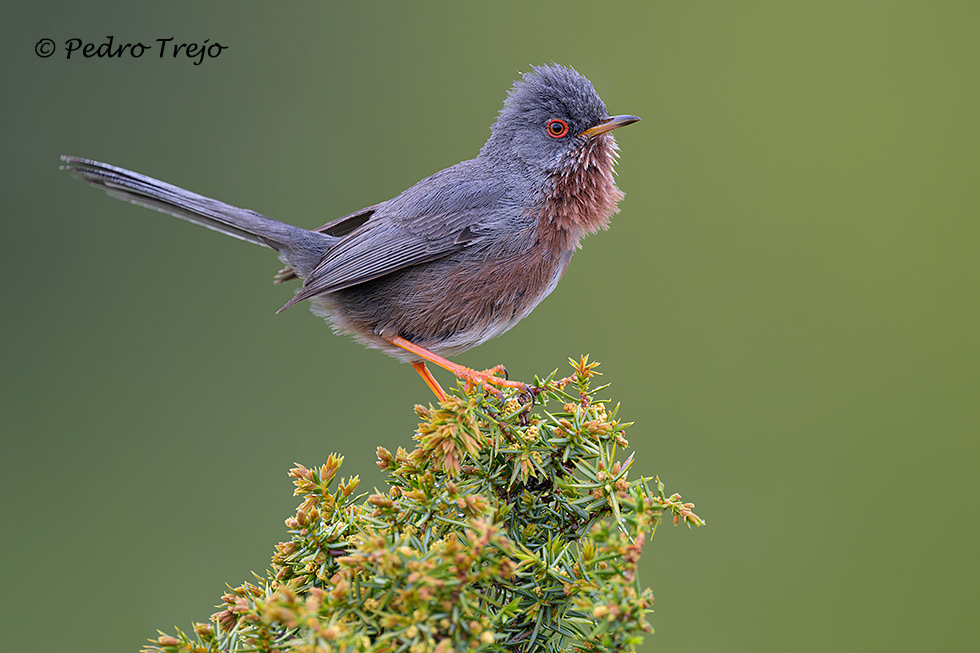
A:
x: 488, y: 378
x: 429, y: 379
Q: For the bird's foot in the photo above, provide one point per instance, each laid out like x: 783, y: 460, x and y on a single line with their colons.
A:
x: 490, y: 379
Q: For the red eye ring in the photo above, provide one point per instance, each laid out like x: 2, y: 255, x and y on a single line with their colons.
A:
x: 556, y: 128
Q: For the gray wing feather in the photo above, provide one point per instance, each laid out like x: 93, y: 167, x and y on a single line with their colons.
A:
x: 433, y: 219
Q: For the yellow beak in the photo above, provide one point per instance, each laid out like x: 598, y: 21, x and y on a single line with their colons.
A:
x: 609, y: 124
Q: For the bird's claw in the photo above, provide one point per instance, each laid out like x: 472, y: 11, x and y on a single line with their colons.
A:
x: 498, y: 370
x: 492, y: 380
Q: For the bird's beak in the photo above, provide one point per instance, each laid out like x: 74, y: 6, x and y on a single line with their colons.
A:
x: 609, y: 124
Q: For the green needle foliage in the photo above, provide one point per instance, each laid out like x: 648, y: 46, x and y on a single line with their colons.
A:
x: 508, y: 528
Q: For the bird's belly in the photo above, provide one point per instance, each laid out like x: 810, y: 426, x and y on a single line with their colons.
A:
x: 446, y: 306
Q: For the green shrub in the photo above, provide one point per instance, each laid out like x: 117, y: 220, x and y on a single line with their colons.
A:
x: 509, y: 527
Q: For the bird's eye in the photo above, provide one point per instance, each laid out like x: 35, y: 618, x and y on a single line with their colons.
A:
x: 557, y: 128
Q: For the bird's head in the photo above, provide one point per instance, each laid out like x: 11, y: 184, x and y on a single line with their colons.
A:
x: 552, y: 118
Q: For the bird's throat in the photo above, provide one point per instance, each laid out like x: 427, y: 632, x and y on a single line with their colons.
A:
x: 583, y: 195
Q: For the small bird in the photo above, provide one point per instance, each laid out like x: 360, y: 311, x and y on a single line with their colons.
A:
x: 458, y: 258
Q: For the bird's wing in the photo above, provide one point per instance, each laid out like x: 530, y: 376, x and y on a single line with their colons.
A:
x: 426, y: 222
x: 347, y: 223
x: 339, y: 227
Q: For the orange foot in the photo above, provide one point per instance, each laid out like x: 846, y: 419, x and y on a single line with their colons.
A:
x: 491, y: 379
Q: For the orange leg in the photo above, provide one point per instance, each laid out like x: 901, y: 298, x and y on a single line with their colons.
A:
x: 488, y: 378
x: 429, y: 379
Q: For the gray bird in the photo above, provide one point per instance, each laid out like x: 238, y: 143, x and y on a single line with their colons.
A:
x: 458, y: 258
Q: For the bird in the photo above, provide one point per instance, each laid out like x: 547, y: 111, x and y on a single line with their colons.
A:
x: 456, y: 259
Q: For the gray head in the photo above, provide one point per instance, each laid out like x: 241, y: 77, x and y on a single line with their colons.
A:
x: 547, y: 117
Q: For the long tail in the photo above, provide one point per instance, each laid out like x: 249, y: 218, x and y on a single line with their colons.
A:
x: 298, y: 247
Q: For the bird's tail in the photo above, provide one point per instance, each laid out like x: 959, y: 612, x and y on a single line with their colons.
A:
x: 298, y: 247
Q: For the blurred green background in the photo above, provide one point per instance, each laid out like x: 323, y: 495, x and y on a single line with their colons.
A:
x: 787, y: 303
